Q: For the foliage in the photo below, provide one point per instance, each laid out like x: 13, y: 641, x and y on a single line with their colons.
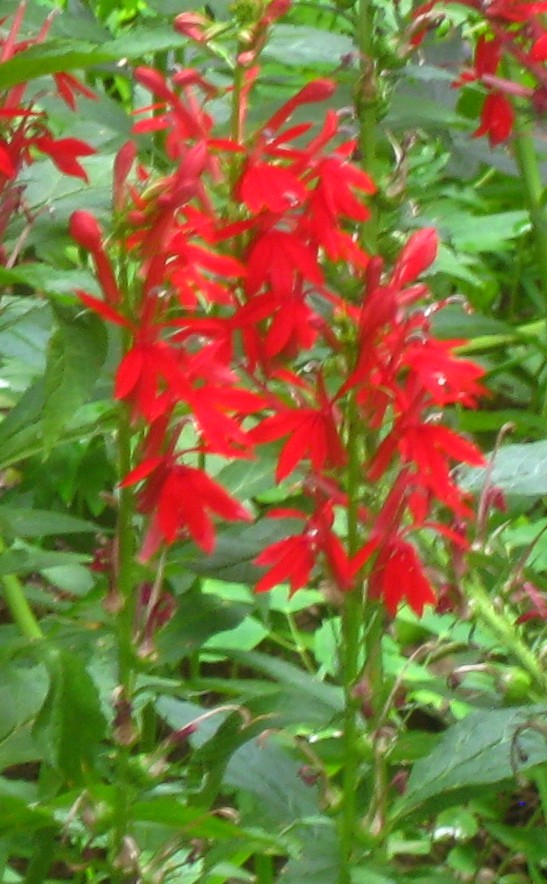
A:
x: 268, y: 612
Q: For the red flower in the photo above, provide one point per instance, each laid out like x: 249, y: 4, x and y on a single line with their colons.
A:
x: 497, y: 119
x: 293, y: 559
x: 181, y: 500
x: 398, y: 575
x: 64, y: 153
x: 312, y: 433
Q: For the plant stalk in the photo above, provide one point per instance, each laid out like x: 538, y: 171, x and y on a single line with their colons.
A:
x: 526, y: 158
x: 352, y: 620
x: 124, y: 591
x: 18, y: 605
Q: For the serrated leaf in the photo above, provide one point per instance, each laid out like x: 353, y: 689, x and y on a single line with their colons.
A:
x: 486, y: 747
x: 519, y: 469
x: 70, y: 724
x: 76, y: 353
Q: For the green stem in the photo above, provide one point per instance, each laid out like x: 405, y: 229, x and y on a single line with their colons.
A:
x: 365, y: 104
x: 264, y: 869
x: 19, y: 607
x: 374, y: 820
x: 125, y: 589
x: 530, y: 173
x: 352, y: 619
x: 507, y: 634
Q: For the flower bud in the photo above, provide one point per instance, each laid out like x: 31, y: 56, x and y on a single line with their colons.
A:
x: 85, y: 230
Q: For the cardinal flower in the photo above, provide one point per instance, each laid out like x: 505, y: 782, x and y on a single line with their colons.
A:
x: 181, y: 500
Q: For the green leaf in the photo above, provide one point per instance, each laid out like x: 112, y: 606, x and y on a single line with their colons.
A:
x: 237, y: 546
x: 519, y: 469
x: 16, y: 814
x: 301, y: 46
x: 16, y: 521
x: 198, y: 617
x: 319, y: 860
x: 70, y: 724
x: 486, y: 747
x: 76, y: 353
x: 22, y: 693
x: 246, y: 479
x: 59, y: 55
x: 324, y: 701
x: 15, y: 561
x: 264, y: 769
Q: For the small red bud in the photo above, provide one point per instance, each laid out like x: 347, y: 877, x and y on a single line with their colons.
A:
x: 86, y: 230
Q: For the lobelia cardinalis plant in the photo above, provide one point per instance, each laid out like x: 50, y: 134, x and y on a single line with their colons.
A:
x: 241, y: 276
x: 223, y: 273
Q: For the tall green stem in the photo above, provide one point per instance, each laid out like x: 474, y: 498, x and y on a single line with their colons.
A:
x: 366, y: 105
x: 352, y: 621
x: 528, y: 165
x: 125, y: 594
x: 19, y: 607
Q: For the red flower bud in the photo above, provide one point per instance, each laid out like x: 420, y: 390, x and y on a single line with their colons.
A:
x: 86, y: 230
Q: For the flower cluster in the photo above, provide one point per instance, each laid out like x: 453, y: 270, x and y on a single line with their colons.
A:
x: 513, y: 35
x: 242, y: 262
x: 24, y: 128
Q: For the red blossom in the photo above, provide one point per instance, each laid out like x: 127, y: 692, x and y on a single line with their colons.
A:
x: 497, y: 119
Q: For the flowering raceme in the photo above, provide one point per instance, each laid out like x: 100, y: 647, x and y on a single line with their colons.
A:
x: 242, y: 254
x: 514, y: 31
x: 24, y: 129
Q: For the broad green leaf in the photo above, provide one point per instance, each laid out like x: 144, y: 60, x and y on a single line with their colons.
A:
x: 519, y: 469
x: 22, y: 693
x: 264, y: 769
x: 70, y: 724
x: 319, y: 860
x: 198, y: 617
x: 67, y: 55
x: 413, y: 112
x: 76, y: 354
x: 486, y: 747
x: 326, y: 699
x: 16, y: 521
x: 454, y: 322
x: 236, y: 548
x: 25, y: 559
x: 245, y: 479
x: 16, y: 814
x: 301, y: 46
x: 43, y: 278
x: 477, y: 233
